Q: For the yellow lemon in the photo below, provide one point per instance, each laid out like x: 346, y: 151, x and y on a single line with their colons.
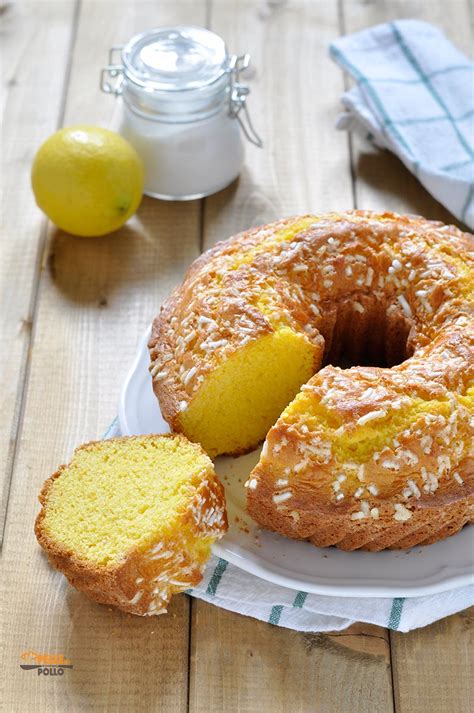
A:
x: 87, y: 180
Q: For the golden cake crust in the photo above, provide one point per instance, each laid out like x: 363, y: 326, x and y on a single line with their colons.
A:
x: 144, y: 581
x: 212, y: 314
x: 357, y: 282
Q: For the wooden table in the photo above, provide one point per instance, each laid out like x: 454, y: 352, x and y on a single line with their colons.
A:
x: 74, y: 309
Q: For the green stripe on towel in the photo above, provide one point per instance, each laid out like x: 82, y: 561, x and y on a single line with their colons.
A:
x: 431, y: 119
x: 275, y: 614
x: 111, y: 428
x: 396, y: 613
x: 214, y: 582
x: 300, y: 600
x: 430, y: 75
x: 454, y: 166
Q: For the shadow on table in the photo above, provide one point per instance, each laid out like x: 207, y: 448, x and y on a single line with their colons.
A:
x: 157, y: 242
x: 384, y: 172
x: 125, y: 662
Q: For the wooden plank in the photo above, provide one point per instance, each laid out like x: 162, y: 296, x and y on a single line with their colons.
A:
x: 304, y: 165
x: 35, y: 41
x: 432, y: 667
x: 96, y: 298
x: 237, y: 663
x: 240, y: 664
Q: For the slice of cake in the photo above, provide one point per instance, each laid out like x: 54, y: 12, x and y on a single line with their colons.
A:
x: 131, y: 521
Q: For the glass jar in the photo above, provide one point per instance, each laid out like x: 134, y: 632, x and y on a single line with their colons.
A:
x: 183, y: 108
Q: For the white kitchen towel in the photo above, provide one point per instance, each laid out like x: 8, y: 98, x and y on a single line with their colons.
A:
x: 414, y: 95
x: 229, y: 587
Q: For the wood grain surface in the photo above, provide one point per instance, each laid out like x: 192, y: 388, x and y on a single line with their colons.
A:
x: 35, y: 45
x: 72, y: 313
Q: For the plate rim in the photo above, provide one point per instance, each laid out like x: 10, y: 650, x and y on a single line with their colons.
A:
x: 453, y: 578
x: 346, y: 588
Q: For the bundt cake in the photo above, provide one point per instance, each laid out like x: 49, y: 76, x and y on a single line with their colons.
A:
x: 130, y: 521
x: 370, y: 456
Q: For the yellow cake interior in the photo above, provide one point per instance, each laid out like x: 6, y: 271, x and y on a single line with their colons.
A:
x: 242, y: 398
x: 123, y: 494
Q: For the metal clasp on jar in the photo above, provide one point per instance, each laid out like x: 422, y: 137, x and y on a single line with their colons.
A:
x: 238, y: 98
x: 112, y: 71
x: 238, y: 92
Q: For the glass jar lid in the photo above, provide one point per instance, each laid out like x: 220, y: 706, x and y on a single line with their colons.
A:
x: 179, y: 75
x: 175, y: 58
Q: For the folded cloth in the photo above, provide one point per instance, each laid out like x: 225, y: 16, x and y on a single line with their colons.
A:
x: 415, y: 97
x: 230, y: 587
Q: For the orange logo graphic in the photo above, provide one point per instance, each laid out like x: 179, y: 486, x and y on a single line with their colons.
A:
x: 45, y: 664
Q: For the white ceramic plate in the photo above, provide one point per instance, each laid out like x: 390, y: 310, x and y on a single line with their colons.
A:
x: 295, y: 564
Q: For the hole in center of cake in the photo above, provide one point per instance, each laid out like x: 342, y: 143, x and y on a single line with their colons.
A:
x: 364, y: 331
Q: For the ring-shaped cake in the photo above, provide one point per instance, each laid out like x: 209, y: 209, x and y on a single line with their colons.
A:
x: 368, y: 456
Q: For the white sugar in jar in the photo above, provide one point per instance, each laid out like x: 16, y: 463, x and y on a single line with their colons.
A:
x: 183, y: 108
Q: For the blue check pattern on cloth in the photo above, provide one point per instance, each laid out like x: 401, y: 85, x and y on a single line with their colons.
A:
x: 414, y: 95
x: 230, y: 587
